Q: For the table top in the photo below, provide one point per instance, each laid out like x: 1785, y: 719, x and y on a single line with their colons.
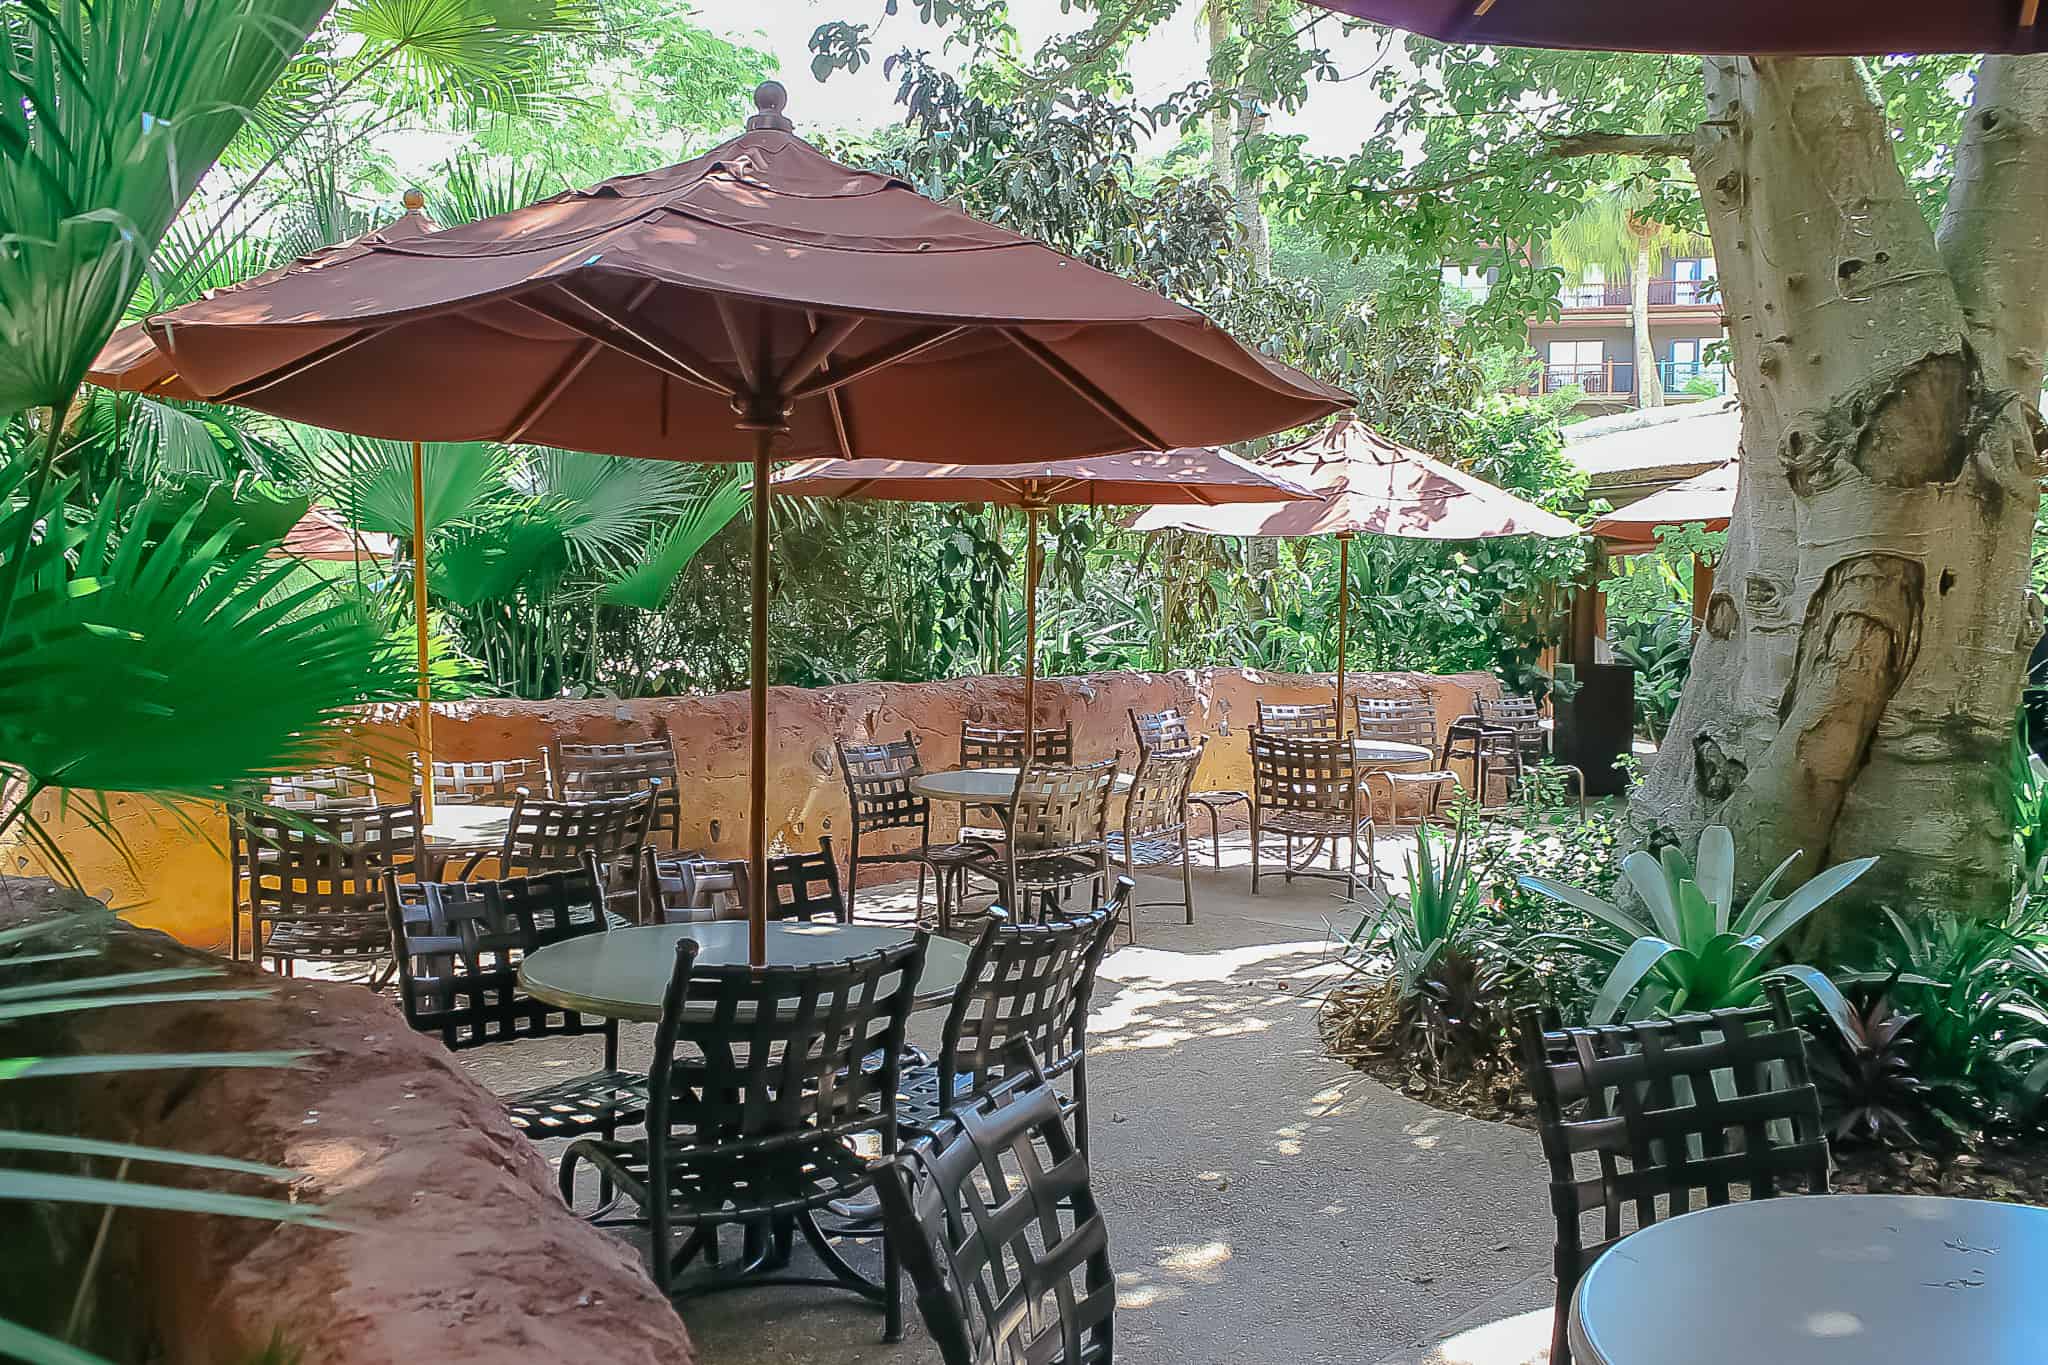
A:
x: 468, y: 825
x: 980, y: 786
x: 624, y: 973
x: 1873, y: 1279
x: 1389, y: 751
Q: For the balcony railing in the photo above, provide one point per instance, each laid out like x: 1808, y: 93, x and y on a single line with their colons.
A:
x: 1617, y: 295
x: 1609, y: 377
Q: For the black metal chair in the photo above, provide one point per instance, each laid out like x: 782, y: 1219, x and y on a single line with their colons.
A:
x: 1168, y: 729
x: 1299, y: 720
x: 1055, y: 836
x: 1001, y: 1233
x: 995, y: 746
x: 1308, y: 789
x: 879, y: 799
x: 543, y: 835
x: 1024, y: 984
x: 1634, y: 1114
x: 316, y: 882
x: 1154, y: 832
x: 459, y: 946
x: 1405, y: 720
x: 593, y: 772
x: 756, y: 1093
x: 692, y: 888
x: 488, y: 782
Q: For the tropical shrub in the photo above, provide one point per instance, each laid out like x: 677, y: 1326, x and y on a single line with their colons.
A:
x: 1868, y: 1076
x: 1688, y: 947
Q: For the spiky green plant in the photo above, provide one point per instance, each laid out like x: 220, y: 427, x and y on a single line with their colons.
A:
x: 1688, y: 946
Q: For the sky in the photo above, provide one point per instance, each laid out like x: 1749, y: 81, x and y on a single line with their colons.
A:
x: 1335, y: 119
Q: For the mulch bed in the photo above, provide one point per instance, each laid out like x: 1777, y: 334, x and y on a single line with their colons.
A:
x: 1353, y: 1022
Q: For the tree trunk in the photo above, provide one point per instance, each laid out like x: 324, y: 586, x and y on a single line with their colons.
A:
x: 1222, y: 140
x: 1854, y: 689
x: 1649, y: 384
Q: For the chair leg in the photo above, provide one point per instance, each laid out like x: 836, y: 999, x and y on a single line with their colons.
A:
x: 1255, y: 851
x: 853, y: 879
x: 892, y: 1292
x: 1215, y: 836
x: 922, y: 871
x: 1187, y: 882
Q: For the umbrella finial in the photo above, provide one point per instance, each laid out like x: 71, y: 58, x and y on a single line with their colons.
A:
x: 769, y: 100
x: 414, y: 201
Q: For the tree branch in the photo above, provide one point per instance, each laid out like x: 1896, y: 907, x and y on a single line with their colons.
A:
x: 1597, y: 143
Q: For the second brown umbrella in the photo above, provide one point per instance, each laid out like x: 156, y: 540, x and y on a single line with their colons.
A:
x: 1187, y: 477
x: 761, y: 301
x: 1365, y: 484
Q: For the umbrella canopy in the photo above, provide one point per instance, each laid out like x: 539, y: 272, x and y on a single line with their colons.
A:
x: 1188, y: 476
x: 132, y: 362
x: 759, y: 301
x: 323, y: 536
x: 1707, y: 498
x: 1365, y: 484
x: 1820, y: 28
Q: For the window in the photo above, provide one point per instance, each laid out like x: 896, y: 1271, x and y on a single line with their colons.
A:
x: 1690, y: 277
x: 1576, y: 362
x: 1591, y: 290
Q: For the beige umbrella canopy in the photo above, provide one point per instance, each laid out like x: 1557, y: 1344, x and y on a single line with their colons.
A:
x: 1189, y: 476
x: 758, y: 302
x: 1707, y: 499
x: 1366, y: 484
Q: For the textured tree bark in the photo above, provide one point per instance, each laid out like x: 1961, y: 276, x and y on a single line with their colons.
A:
x: 1649, y: 384
x: 1854, y: 689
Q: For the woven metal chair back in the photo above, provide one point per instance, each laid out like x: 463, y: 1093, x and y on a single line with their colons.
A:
x: 751, y: 1060
x: 1303, y: 778
x: 323, y: 871
x: 1060, y: 810
x: 1398, y: 720
x: 489, y: 782
x: 990, y: 746
x: 877, y: 778
x: 1310, y: 720
x: 1511, y: 713
x: 1166, y: 729
x: 459, y: 945
x: 690, y: 888
x: 1028, y: 985
x: 590, y: 772
x: 341, y: 787
x: 805, y: 886
x: 1157, y: 804
x: 1638, y: 1119
x: 544, y: 835
x: 1002, y: 1236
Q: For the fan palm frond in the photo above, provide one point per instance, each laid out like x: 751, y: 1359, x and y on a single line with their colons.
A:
x: 464, y: 480
x: 649, y: 583
x: 604, y: 504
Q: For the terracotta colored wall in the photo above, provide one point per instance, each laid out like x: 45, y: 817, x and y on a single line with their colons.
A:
x: 460, y: 1252
x: 175, y: 879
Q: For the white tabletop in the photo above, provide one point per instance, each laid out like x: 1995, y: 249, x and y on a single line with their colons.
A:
x: 1838, y: 1279
x: 1389, y: 751
x: 469, y: 826
x: 624, y: 973
x: 980, y: 786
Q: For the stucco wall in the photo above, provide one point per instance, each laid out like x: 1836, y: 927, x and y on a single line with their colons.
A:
x: 172, y: 872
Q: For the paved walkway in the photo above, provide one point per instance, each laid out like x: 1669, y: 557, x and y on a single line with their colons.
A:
x: 1267, y: 1205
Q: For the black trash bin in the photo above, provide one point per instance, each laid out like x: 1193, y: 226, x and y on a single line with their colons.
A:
x: 1597, y: 725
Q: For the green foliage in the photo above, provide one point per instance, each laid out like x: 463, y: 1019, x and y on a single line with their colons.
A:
x: 1684, y: 945
x: 1868, y: 1077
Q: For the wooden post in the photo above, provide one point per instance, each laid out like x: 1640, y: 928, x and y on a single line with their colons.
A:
x: 425, y: 720
x: 1030, y: 630
x: 757, y: 698
x: 1343, y: 620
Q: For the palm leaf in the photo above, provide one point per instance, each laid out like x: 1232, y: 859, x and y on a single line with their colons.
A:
x: 58, y: 1144
x: 464, y: 480
x: 24, y: 1344
x: 648, y: 584
x: 605, y: 505
x: 116, y: 1063
x: 51, y: 1187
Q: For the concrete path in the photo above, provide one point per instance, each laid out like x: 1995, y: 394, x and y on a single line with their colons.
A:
x: 1267, y: 1205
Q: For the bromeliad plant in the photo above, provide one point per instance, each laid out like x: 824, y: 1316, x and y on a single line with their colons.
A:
x: 1446, y: 987
x: 1689, y: 947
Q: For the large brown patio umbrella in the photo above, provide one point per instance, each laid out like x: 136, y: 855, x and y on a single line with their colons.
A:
x: 1187, y: 477
x: 1815, y: 28
x: 132, y: 362
x: 760, y: 301
x: 1366, y: 484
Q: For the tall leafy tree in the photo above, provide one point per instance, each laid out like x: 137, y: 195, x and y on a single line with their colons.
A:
x: 1616, y: 232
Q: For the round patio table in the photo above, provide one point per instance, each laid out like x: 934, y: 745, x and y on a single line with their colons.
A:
x: 467, y: 826
x: 624, y: 973
x: 1854, y: 1279
x: 1386, y: 753
x: 981, y: 786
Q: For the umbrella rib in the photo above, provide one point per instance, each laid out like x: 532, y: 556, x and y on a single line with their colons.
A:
x: 625, y: 340
x: 748, y: 374
x: 559, y: 382
x: 817, y: 351
x: 292, y: 369
x: 1094, y: 396
x: 862, y: 366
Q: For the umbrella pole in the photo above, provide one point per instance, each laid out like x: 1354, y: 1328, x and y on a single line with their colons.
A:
x: 1343, y: 620
x: 425, y: 720
x: 1030, y: 631
x: 757, y: 730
